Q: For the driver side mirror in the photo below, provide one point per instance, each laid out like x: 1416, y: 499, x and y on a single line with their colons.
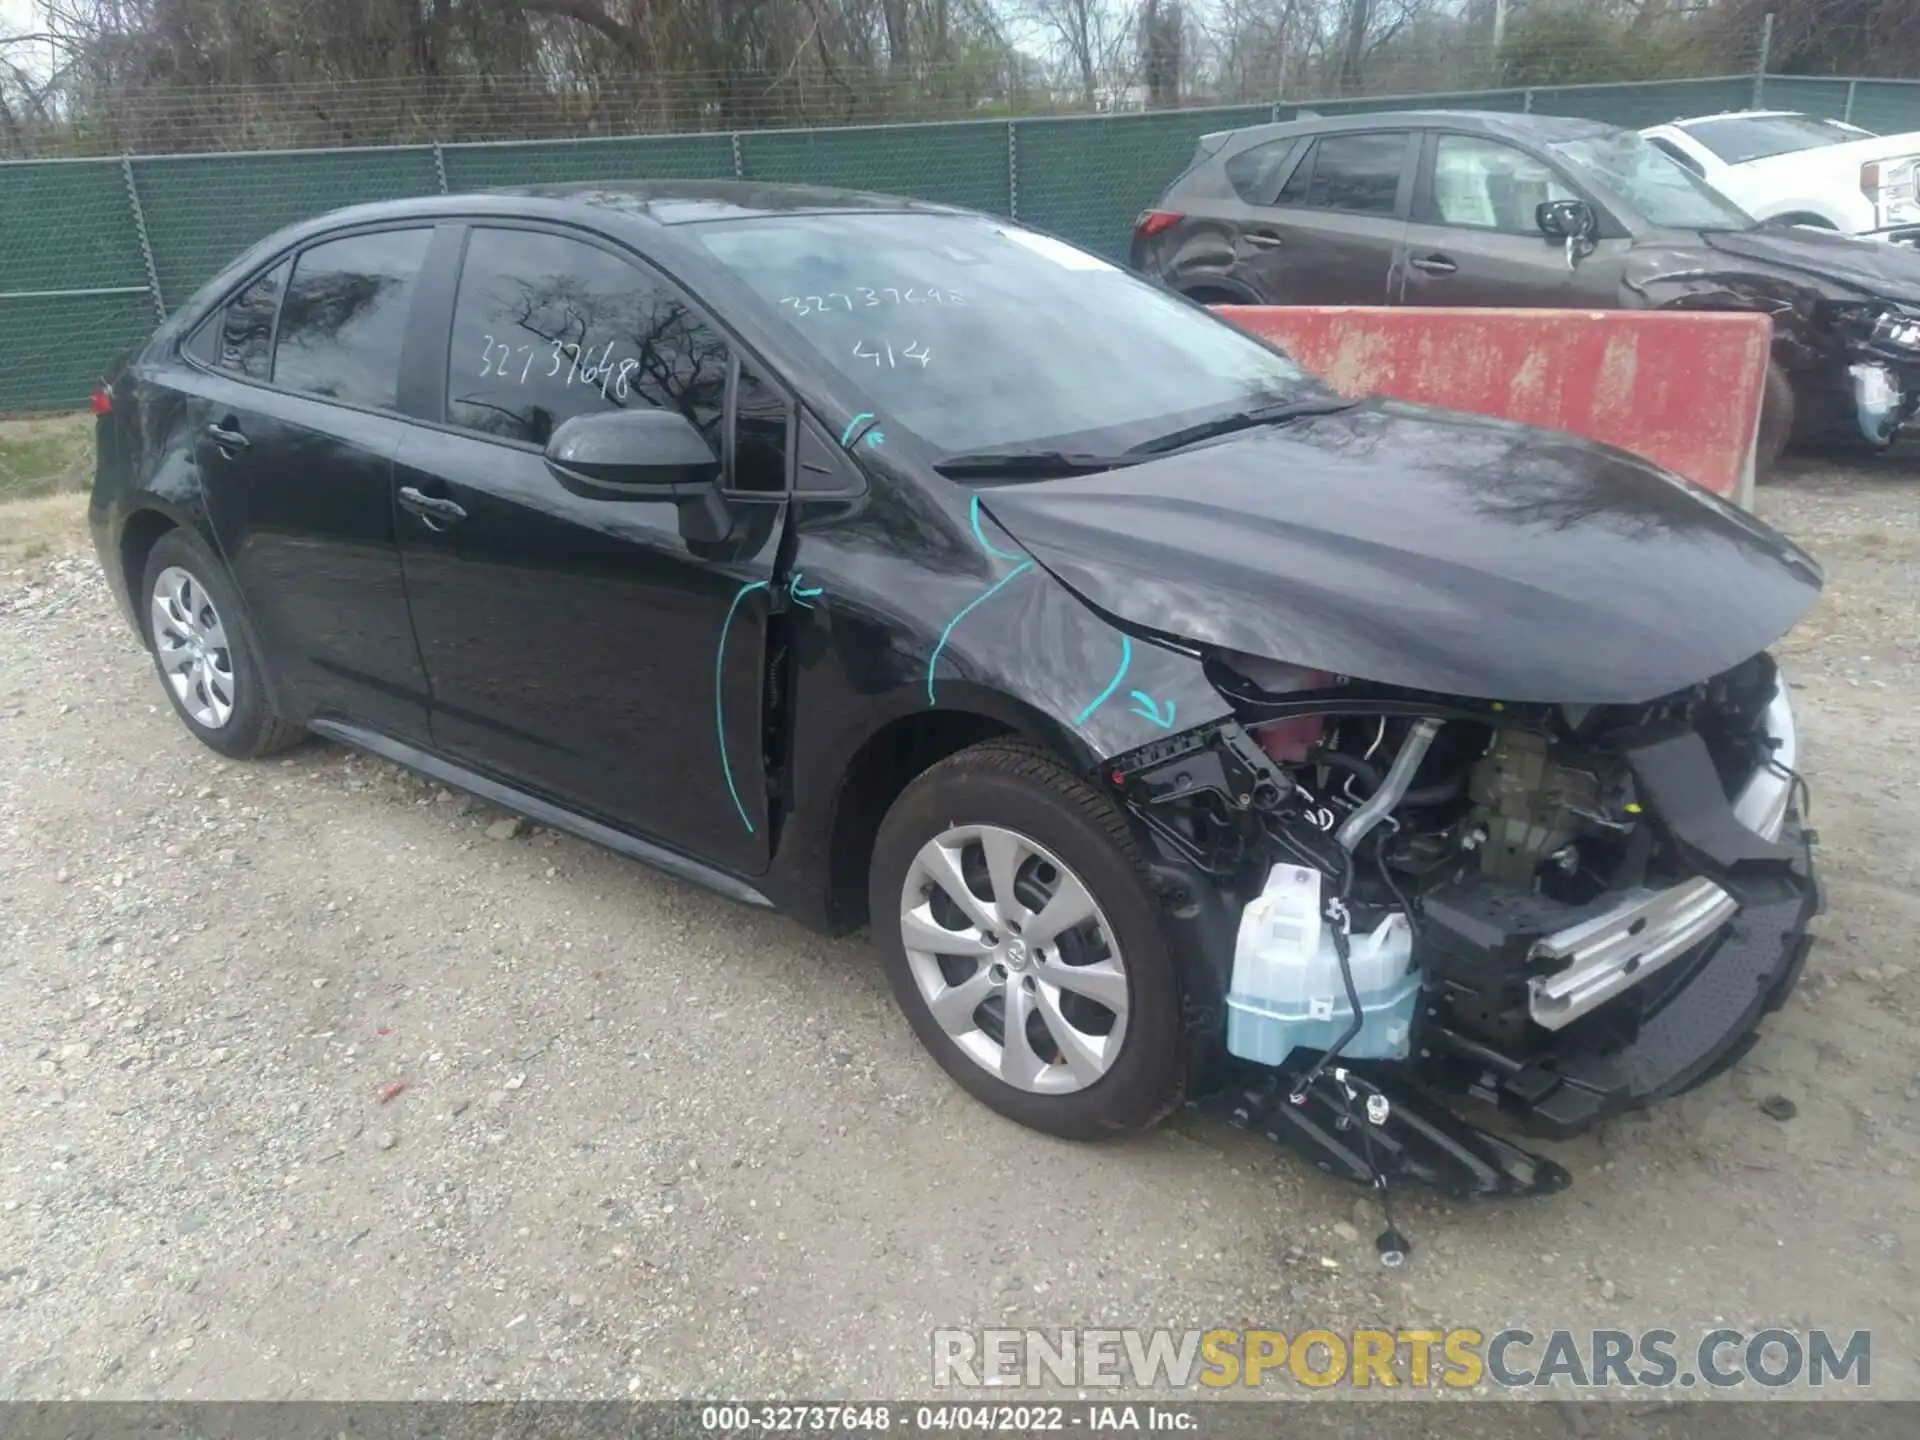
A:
x: 642, y: 455
x: 1565, y: 219
x: 1570, y: 220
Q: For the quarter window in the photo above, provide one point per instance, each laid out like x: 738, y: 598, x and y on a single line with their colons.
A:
x: 1490, y: 186
x: 759, y: 434
x: 239, y: 338
x: 345, y: 316
x: 546, y: 328
x: 1359, y: 174
x: 1254, y: 174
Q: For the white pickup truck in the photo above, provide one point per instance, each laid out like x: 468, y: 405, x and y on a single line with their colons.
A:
x: 1803, y: 169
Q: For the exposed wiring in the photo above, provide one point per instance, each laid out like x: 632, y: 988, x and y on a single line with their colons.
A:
x: 1386, y: 878
x: 1336, y: 915
x: 1379, y: 734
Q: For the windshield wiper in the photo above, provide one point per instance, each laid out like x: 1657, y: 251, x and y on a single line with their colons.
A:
x: 1034, y: 464
x: 1242, y: 420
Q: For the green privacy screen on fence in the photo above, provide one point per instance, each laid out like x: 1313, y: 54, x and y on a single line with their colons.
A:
x: 92, y: 250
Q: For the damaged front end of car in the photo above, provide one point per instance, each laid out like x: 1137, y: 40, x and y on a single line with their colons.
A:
x: 1411, y: 900
x: 1882, y: 343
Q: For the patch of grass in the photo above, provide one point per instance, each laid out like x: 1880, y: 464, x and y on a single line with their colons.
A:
x: 33, y: 528
x: 48, y: 455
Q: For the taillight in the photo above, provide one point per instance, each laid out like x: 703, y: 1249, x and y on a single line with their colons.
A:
x: 1153, y: 222
x: 102, y: 401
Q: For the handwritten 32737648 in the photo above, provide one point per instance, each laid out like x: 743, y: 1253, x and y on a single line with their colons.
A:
x: 517, y: 363
x: 863, y: 297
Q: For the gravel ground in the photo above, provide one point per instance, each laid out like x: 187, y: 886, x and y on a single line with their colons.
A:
x: 650, y: 1143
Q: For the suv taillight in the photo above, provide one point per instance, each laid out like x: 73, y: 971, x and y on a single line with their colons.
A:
x: 102, y: 399
x: 1153, y: 222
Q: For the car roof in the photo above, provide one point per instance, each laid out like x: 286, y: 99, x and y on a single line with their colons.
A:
x: 655, y: 206
x: 1742, y: 115
x: 1545, y: 128
x: 661, y: 202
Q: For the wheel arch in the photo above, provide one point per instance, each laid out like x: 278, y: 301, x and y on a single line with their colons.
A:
x: 147, y: 520
x: 139, y: 533
x: 891, y: 757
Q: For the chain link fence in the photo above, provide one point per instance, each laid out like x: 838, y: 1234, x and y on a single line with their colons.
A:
x: 94, y: 251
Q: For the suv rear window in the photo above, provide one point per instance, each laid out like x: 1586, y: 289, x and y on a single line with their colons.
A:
x: 1359, y: 174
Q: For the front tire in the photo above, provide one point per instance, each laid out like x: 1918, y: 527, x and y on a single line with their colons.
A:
x: 206, y: 667
x: 1022, y: 943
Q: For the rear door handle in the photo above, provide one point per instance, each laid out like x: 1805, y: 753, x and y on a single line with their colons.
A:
x: 1433, y: 264
x: 227, y: 436
x: 1260, y: 240
x: 437, y: 511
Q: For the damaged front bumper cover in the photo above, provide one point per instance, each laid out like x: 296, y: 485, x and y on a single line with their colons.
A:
x: 1599, y: 958
x: 1705, y: 1019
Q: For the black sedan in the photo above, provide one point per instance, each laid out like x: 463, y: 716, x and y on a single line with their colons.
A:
x: 1456, y: 208
x: 1178, y: 727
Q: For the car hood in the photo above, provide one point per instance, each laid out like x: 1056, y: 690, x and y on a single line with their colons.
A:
x: 1419, y: 548
x: 1873, y: 267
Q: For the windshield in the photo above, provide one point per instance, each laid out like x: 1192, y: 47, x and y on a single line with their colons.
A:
x: 974, y: 334
x: 1740, y: 138
x: 1652, y: 183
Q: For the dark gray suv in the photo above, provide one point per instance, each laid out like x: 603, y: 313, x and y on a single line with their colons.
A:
x: 1462, y: 208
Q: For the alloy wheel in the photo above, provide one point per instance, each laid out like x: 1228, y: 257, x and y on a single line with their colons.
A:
x: 1014, y: 959
x: 191, y: 643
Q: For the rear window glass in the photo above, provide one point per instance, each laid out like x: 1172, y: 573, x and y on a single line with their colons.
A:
x: 345, y: 317
x: 1740, y: 138
x: 1359, y: 174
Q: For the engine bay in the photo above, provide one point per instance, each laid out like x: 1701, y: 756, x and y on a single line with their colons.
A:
x: 1484, y: 899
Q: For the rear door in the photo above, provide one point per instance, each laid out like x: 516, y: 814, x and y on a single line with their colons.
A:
x: 581, y: 648
x: 293, y: 399
x: 1334, y: 231
x: 1474, y: 240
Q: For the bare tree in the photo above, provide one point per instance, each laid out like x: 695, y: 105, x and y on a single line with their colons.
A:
x: 1091, y: 37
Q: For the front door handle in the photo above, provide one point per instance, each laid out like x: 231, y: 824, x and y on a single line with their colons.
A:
x: 1433, y: 264
x: 226, y: 434
x: 1260, y: 240
x: 436, y: 511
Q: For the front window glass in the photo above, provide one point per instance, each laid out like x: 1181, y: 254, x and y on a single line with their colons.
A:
x: 1649, y: 182
x: 1489, y: 185
x: 974, y: 334
x: 1740, y: 138
x: 546, y: 328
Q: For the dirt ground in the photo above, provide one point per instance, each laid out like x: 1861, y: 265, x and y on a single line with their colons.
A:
x: 655, y: 1144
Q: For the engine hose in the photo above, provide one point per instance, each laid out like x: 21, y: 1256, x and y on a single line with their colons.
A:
x: 1399, y: 776
x: 1365, y: 771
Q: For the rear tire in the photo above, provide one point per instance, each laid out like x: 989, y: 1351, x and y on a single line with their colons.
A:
x: 1100, y: 1048
x: 207, y: 669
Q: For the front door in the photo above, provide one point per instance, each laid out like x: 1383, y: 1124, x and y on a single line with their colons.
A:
x: 1333, y: 234
x: 296, y: 429
x: 582, y: 648
x: 1474, y: 240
